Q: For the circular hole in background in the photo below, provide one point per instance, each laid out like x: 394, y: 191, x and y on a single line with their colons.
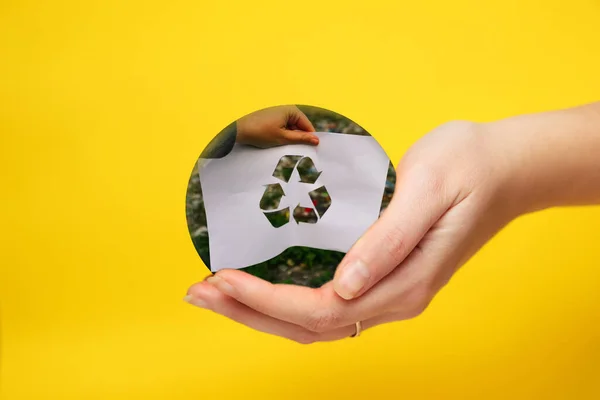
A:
x: 304, y: 266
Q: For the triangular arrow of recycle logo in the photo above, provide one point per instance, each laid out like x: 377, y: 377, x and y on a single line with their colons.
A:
x: 273, y: 194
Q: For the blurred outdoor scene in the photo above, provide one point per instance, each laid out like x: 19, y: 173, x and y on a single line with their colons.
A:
x: 297, y: 265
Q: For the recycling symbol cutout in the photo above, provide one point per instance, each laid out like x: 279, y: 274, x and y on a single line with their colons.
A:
x: 308, y: 174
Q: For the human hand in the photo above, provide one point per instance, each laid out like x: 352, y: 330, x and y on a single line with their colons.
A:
x: 455, y: 189
x: 448, y: 202
x: 276, y: 126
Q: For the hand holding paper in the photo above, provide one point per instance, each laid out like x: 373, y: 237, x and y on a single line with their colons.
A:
x: 456, y: 188
x: 276, y: 126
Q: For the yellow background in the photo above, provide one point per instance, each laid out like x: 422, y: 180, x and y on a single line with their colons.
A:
x: 104, y: 107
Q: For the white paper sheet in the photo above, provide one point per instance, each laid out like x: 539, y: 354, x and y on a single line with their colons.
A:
x: 354, y: 170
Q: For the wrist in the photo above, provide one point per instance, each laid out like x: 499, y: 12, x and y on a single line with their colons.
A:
x: 510, y: 152
x: 549, y: 159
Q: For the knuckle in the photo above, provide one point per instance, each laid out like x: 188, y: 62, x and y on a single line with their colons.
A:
x: 416, y: 309
x: 428, y: 179
x: 322, y: 320
x: 416, y: 300
x: 394, y: 244
x: 436, y: 184
x: 432, y: 180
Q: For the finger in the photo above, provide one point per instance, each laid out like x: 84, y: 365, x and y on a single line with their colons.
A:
x: 409, y: 288
x: 299, y: 137
x: 300, y: 121
x: 209, y: 297
x: 419, y: 201
x: 318, y: 310
x: 205, y: 296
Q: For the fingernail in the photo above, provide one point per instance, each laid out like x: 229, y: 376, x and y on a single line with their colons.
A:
x: 353, y: 278
x: 221, y: 284
x: 314, y: 140
x: 195, y: 301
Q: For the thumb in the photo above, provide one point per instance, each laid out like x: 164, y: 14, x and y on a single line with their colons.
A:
x: 300, y: 137
x: 418, y: 203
